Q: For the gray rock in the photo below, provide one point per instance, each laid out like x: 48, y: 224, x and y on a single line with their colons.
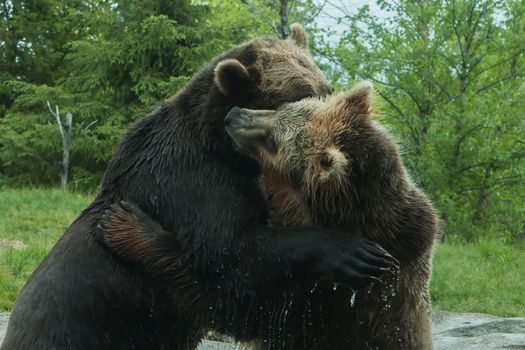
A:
x: 451, y: 331
x: 477, y: 331
x: 4, y: 317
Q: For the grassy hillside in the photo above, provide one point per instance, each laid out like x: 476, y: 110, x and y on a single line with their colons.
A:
x: 483, y: 277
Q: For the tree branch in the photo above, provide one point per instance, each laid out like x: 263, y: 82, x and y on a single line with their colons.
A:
x: 312, y: 17
x: 463, y: 137
x: 81, y: 130
x: 267, y: 19
x: 488, y: 86
x: 57, y: 118
x: 392, y: 104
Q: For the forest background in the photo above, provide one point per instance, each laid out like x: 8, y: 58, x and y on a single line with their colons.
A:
x: 449, y: 76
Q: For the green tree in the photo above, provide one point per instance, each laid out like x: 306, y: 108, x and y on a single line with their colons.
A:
x: 450, y: 74
x: 110, y: 61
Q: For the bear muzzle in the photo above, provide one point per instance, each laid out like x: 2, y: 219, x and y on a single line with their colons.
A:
x: 250, y: 130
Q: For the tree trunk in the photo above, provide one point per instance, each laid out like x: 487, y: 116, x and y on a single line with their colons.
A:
x: 425, y: 106
x: 284, y: 28
x: 66, y: 145
x: 483, y: 194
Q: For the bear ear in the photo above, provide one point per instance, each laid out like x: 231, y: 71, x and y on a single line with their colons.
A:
x: 230, y: 75
x: 359, y: 100
x: 299, y: 36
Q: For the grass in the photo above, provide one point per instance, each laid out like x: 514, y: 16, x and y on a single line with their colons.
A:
x: 482, y: 277
x: 36, y: 217
x: 486, y: 277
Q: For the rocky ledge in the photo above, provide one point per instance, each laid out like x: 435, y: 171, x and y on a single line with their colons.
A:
x: 451, y: 331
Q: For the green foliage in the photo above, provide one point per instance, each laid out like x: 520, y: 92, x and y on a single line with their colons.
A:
x: 31, y: 146
x: 450, y: 74
x: 450, y: 78
x: 109, y: 62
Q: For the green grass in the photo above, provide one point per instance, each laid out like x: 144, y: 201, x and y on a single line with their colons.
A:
x: 483, y: 277
x: 486, y: 277
x: 37, y: 217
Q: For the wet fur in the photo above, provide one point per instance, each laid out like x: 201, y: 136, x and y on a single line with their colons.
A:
x: 375, y: 197
x: 179, y: 166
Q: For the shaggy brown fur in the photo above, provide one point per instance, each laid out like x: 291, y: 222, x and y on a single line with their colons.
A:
x: 135, y: 239
x: 178, y: 165
x: 331, y: 164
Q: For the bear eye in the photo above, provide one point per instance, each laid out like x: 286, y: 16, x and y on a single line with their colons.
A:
x: 326, y: 161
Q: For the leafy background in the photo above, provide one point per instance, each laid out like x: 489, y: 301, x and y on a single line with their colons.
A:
x: 449, y: 76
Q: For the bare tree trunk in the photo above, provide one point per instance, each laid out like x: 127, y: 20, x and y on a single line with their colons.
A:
x: 67, y: 142
x: 284, y: 29
x: 66, y: 145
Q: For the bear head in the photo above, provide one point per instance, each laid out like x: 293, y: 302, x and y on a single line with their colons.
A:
x: 268, y: 72
x: 331, y: 152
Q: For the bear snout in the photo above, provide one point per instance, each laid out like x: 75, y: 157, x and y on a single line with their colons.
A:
x: 237, y: 118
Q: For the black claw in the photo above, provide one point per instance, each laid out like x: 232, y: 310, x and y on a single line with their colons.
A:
x: 377, y: 279
x: 382, y: 253
x: 389, y: 270
x: 381, y: 249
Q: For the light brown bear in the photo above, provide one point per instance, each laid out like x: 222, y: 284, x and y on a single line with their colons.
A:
x: 329, y: 163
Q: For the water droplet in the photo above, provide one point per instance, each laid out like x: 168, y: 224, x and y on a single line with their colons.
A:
x: 352, y: 298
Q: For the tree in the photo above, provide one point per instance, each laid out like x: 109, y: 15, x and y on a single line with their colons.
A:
x: 450, y: 75
x: 67, y: 142
x: 112, y: 61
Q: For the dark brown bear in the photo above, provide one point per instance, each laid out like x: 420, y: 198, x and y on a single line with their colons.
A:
x: 178, y: 165
x: 328, y: 163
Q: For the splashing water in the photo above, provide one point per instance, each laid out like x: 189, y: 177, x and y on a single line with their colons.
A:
x: 353, y: 298
x: 312, y: 291
x: 390, y: 290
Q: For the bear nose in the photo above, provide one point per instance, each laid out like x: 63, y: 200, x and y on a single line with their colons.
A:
x: 236, y: 118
